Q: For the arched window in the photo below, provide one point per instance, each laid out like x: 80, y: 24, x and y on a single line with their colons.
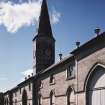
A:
x: 7, y: 102
x: 20, y: 90
x: 40, y: 100
x: 4, y: 101
x: 52, y: 98
x: 15, y: 101
x: 95, y: 87
x: 29, y: 86
x: 70, y: 97
x: 24, y: 97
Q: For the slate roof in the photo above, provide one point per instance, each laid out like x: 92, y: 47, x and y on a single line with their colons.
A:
x: 96, y: 40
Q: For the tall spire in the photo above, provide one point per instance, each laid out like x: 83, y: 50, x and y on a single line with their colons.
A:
x: 44, y: 21
x: 43, y: 42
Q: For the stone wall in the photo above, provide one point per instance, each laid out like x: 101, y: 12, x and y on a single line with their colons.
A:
x: 17, y: 95
x: 82, y: 68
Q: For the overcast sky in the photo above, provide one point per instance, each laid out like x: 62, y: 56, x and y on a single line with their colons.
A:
x: 72, y: 20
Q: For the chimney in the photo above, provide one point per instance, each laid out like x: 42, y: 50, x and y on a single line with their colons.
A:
x: 32, y: 74
x: 60, y: 56
x: 78, y: 44
x: 25, y: 78
x: 97, y: 31
x: 28, y: 76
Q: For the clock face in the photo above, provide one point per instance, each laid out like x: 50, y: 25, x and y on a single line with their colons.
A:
x: 48, y: 52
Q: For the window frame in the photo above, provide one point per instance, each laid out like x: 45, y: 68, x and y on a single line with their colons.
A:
x: 29, y: 86
x: 52, y: 79
x: 20, y: 90
x: 52, y: 98
x: 41, y: 84
x: 70, y: 72
x: 70, y: 90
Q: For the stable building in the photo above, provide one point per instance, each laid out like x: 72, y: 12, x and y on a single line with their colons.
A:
x: 78, y: 79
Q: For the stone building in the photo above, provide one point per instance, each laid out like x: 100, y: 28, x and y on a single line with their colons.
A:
x: 78, y: 79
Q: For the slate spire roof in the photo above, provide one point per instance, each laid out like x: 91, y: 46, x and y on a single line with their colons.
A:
x: 44, y: 21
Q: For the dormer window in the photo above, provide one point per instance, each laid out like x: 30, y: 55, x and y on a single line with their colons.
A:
x: 52, y: 79
x: 70, y: 72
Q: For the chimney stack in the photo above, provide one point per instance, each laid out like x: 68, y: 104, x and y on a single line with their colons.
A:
x: 60, y: 56
x: 78, y: 44
x: 97, y: 31
x: 25, y: 78
x: 32, y: 74
x: 28, y: 76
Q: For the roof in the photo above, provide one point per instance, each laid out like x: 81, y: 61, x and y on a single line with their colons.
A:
x: 57, y: 64
x: 42, y: 72
x: 96, y: 39
x: 19, y: 85
x: 89, y: 43
x: 44, y: 29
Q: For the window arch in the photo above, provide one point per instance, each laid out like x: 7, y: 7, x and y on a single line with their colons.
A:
x: 24, y: 97
x: 70, y: 96
x: 52, y: 98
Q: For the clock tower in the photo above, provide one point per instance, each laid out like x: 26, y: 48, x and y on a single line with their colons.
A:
x: 43, y: 42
